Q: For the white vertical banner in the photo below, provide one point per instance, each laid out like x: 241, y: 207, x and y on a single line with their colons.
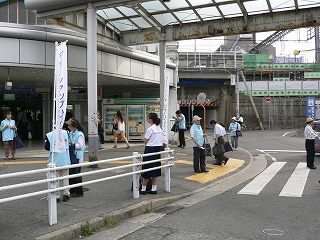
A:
x: 61, y: 95
x: 165, y: 110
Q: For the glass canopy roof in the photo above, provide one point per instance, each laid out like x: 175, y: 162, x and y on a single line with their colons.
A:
x: 161, y: 13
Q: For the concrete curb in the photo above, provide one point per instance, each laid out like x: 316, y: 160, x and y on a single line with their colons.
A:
x: 75, y: 231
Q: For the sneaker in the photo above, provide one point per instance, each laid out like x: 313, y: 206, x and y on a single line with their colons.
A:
x: 236, y: 149
x: 65, y: 198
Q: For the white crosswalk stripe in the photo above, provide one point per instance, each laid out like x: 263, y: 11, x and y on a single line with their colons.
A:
x: 257, y: 184
x: 294, y: 187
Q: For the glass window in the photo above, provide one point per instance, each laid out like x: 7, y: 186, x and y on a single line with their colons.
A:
x: 124, y: 25
x: 209, y: 13
x: 200, y: 2
x: 13, y: 12
x: 260, y: 6
x: 165, y: 19
x: 127, y: 11
x: 230, y: 10
x: 186, y: 15
x: 174, y: 4
x: 22, y: 13
x: 40, y: 21
x: 4, y: 12
x: 307, y: 4
x: 153, y: 6
x: 141, y: 22
x: 32, y: 18
x: 109, y: 13
x: 281, y: 5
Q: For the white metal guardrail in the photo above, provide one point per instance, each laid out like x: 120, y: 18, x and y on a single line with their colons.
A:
x: 52, y: 179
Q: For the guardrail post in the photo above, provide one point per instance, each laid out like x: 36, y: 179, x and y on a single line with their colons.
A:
x: 135, y: 177
x: 167, y: 177
x: 52, y: 198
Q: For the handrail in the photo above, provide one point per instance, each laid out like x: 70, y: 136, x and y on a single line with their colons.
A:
x: 52, y: 179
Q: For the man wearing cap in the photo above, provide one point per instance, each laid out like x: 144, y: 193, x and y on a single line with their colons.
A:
x: 310, y: 135
x: 197, y: 137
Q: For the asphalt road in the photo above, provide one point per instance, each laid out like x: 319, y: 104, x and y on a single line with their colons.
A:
x: 280, y: 204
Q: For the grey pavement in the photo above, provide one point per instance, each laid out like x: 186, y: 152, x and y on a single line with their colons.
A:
x: 28, y: 218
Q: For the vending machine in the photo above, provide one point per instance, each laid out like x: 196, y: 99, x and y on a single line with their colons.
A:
x: 135, y: 112
x: 136, y: 122
x: 109, y: 114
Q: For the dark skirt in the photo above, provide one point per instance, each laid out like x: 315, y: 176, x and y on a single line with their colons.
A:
x: 153, y: 173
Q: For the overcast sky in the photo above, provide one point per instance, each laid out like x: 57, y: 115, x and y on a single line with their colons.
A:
x: 296, y: 40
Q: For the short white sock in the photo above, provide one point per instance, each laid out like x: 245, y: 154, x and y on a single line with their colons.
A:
x: 154, y: 188
x: 143, y: 188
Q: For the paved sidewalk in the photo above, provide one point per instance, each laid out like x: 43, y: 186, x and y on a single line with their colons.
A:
x: 28, y: 218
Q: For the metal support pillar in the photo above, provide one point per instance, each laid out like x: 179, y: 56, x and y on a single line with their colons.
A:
x: 237, y: 95
x: 251, y: 99
x: 317, y: 44
x: 92, y: 83
x: 163, y: 90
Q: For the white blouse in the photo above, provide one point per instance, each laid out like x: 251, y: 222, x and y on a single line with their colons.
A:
x: 154, y: 135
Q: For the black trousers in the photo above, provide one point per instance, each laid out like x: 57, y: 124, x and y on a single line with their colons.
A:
x: 221, y: 157
x: 310, y: 152
x: 78, y: 190
x: 198, y: 159
x: 181, y: 138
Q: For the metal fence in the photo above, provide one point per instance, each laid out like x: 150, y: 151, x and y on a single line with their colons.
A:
x: 52, y: 178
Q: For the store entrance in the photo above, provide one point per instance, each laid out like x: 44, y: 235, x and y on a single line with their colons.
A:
x: 26, y: 110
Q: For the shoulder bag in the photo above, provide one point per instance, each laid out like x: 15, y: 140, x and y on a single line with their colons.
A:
x: 207, y: 147
x: 227, y: 146
x: 218, y: 149
x: 238, y: 132
x: 17, y: 143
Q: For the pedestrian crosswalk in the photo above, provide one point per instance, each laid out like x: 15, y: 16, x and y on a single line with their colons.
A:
x: 294, y: 186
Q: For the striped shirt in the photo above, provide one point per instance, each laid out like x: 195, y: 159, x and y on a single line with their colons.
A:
x: 309, y: 133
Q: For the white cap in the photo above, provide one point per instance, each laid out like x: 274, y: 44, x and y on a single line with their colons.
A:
x: 196, y: 117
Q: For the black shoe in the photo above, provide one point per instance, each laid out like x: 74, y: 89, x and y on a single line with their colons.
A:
x: 179, y: 146
x: 205, y: 171
x: 143, y: 192
x: 313, y: 167
x: 153, y: 192
x: 219, y: 164
x: 198, y: 171
x: 225, y: 161
x: 183, y: 147
x: 58, y: 200
x: 65, y: 198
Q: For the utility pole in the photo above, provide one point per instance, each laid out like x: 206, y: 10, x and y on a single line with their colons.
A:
x: 251, y: 99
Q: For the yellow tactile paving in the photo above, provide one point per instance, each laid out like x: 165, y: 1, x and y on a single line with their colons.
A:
x: 217, y: 171
x: 23, y: 163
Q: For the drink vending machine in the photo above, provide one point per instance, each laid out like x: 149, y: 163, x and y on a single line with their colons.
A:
x: 134, y: 111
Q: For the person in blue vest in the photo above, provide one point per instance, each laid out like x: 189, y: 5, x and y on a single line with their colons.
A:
x: 197, y: 137
x: 180, y: 118
x: 76, y: 138
x: 8, y: 129
x: 233, y: 127
x: 60, y: 159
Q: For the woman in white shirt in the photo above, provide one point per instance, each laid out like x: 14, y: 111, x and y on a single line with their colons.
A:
x: 121, y: 130
x: 154, y: 143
